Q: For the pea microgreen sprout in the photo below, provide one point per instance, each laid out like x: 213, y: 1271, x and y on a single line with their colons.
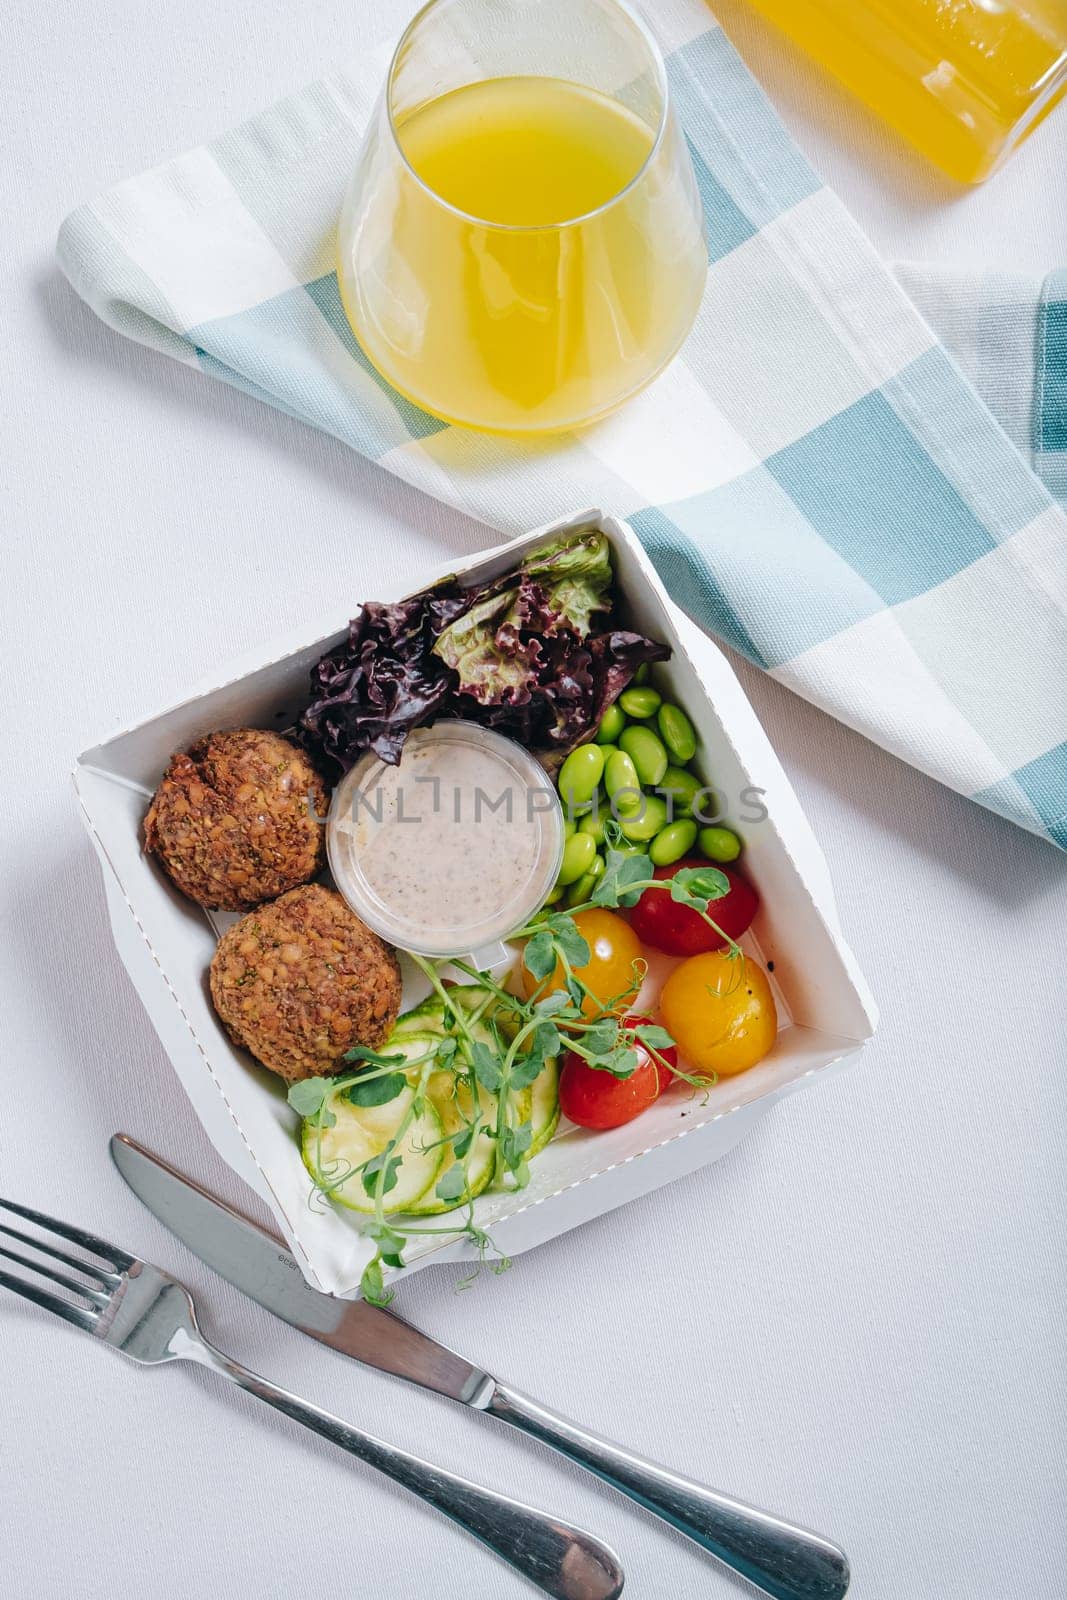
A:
x: 624, y: 880
x: 493, y: 1050
x: 655, y: 1040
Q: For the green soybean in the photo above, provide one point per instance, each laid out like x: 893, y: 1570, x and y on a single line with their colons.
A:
x: 593, y: 825
x: 569, y: 827
x: 677, y: 733
x: 646, y: 823
x: 643, y: 673
x: 682, y: 786
x: 648, y: 754
x: 611, y: 725
x: 578, y: 855
x: 719, y: 844
x: 641, y: 702
x: 555, y: 893
x: 672, y: 842
x: 580, y: 774
x: 583, y: 889
x: 620, y: 780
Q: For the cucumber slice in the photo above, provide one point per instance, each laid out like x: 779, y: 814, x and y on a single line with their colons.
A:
x: 544, y: 1113
x: 361, y: 1132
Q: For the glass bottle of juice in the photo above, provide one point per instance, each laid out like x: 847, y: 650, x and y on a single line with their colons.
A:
x: 964, y: 80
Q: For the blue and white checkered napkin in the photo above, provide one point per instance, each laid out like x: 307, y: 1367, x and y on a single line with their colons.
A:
x: 814, y: 477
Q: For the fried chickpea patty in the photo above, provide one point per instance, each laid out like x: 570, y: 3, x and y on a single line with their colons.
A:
x: 230, y: 822
x: 302, y: 980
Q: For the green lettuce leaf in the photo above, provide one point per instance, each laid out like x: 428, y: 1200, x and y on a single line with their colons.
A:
x: 575, y: 574
x: 483, y: 648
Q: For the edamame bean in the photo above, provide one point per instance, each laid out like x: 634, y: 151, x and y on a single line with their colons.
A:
x: 583, y: 889
x: 641, y: 702
x: 646, y: 823
x: 706, y: 809
x: 578, y: 855
x: 620, y: 780
x: 643, y: 673
x: 609, y: 750
x: 611, y: 725
x: 648, y: 754
x: 593, y: 824
x: 672, y: 842
x: 569, y: 827
x: 719, y: 844
x: 579, y: 776
x: 677, y: 733
x: 556, y: 893
x: 682, y: 786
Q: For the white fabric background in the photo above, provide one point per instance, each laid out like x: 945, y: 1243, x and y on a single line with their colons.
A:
x: 857, y: 1318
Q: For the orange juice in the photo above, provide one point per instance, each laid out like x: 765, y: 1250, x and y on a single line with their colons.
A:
x: 964, y: 80
x: 525, y: 151
x: 537, y: 257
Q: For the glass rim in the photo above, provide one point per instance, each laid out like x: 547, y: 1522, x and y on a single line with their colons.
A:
x: 659, y: 66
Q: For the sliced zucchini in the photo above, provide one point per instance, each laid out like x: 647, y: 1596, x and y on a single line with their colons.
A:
x: 416, y: 1048
x: 544, y: 1114
x: 429, y: 1015
x: 452, y: 1100
x: 540, y: 1104
x: 362, y: 1132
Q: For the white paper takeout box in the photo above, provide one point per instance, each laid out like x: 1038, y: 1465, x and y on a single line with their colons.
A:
x: 826, y: 1011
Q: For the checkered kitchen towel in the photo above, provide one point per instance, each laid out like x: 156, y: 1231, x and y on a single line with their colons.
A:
x: 814, y: 477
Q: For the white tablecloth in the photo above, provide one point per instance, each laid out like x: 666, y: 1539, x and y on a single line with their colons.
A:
x: 857, y: 1318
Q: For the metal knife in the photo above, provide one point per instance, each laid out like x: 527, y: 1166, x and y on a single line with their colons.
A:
x: 785, y: 1561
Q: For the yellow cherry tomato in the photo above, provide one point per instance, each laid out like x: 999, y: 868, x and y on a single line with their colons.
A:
x: 720, y: 1012
x: 609, y: 973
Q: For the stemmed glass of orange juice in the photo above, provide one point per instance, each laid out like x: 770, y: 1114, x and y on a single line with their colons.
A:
x: 521, y: 248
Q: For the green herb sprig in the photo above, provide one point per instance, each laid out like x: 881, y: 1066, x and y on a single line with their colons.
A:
x: 493, y: 1051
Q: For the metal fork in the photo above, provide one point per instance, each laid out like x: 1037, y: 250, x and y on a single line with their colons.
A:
x: 138, y: 1310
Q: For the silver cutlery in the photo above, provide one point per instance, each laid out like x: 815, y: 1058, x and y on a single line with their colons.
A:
x: 785, y: 1561
x: 146, y: 1315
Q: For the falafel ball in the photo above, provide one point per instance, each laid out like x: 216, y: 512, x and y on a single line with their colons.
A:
x: 302, y: 980
x: 231, y: 823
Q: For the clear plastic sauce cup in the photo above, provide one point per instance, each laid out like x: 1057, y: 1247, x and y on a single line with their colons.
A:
x: 451, y: 850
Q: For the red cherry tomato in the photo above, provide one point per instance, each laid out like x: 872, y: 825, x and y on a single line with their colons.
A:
x: 594, y: 1099
x: 679, y: 930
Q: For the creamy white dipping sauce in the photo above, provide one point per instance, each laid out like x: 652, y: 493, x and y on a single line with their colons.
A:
x: 451, y: 849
